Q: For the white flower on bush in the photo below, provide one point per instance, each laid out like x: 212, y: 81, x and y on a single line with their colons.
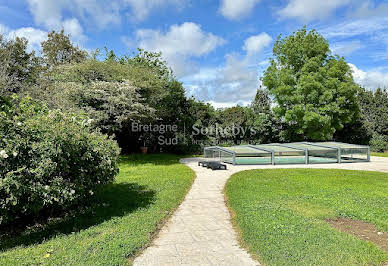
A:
x: 15, y: 154
x: 72, y: 191
x: 91, y: 192
x: 19, y: 124
x: 3, y: 154
x: 46, y: 187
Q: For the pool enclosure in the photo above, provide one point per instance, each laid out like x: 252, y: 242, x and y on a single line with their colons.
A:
x: 290, y: 153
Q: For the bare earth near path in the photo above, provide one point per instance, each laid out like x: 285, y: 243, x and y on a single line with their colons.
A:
x: 200, y: 231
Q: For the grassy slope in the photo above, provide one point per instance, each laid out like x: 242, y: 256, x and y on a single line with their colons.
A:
x: 379, y: 154
x: 281, y: 214
x: 122, y: 221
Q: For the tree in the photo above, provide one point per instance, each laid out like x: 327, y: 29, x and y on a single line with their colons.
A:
x: 234, y: 119
x: 18, y: 67
x: 372, y: 125
x: 151, y: 60
x: 262, y: 119
x: 314, y: 91
x: 58, y: 49
x: 381, y: 105
x: 262, y: 102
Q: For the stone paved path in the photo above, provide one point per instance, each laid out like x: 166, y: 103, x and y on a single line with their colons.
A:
x: 200, y: 231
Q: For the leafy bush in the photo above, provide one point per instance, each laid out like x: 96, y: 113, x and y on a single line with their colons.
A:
x: 49, y: 159
x: 379, y: 143
x: 112, y: 105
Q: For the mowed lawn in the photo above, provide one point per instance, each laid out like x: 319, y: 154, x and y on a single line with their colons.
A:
x: 379, y: 154
x: 122, y: 220
x: 282, y: 214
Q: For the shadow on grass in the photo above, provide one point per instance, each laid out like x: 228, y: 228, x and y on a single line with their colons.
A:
x: 153, y: 159
x: 114, y: 200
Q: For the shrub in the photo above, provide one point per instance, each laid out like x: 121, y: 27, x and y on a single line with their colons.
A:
x: 379, y: 143
x: 49, y: 160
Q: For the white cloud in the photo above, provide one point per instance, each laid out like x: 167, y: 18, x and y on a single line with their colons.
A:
x: 3, y: 29
x: 370, y: 79
x: 307, y: 10
x: 48, y: 13
x: 357, y: 27
x: 141, y: 9
x: 179, y: 44
x: 236, y: 82
x: 368, y: 9
x: 346, y: 48
x: 36, y: 36
x: 33, y: 35
x: 237, y: 9
x: 255, y: 44
x: 99, y: 14
x: 72, y: 27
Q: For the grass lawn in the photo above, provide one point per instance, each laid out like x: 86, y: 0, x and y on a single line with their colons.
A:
x: 281, y: 214
x: 379, y: 154
x: 124, y: 217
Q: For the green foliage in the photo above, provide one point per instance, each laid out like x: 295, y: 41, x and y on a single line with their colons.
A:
x: 149, y: 60
x: 18, y: 68
x: 372, y: 125
x: 262, y: 118
x: 374, y: 109
x: 111, y: 105
x: 262, y: 103
x: 314, y: 92
x: 379, y: 143
x: 49, y: 160
x: 118, y: 91
x: 122, y: 219
x: 232, y: 117
x: 287, y: 210
x: 58, y: 49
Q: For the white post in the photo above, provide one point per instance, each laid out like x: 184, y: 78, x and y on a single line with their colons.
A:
x: 368, y: 156
x: 339, y: 155
x: 306, y: 153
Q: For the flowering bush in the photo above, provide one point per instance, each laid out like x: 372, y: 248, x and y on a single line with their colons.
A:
x: 49, y: 159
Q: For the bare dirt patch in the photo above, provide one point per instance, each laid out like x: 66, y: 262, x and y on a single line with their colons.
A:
x: 362, y: 230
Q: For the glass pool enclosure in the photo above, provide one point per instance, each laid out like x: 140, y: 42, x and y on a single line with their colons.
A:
x: 290, y: 153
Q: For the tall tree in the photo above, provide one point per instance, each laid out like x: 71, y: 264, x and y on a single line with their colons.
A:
x: 262, y: 102
x: 18, y: 67
x: 314, y: 91
x: 262, y: 119
x: 58, y: 49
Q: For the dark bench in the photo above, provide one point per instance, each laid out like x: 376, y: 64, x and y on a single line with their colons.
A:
x: 203, y: 163
x: 214, y: 165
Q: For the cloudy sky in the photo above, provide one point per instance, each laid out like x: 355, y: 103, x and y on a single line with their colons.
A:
x: 217, y: 48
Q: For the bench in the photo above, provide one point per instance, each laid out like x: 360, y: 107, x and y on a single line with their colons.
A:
x: 203, y: 163
x: 214, y: 165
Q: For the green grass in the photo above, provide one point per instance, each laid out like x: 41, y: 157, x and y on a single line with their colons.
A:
x: 280, y: 214
x: 123, y: 219
x: 379, y: 154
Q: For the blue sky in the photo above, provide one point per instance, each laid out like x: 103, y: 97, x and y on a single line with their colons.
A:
x: 219, y: 48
